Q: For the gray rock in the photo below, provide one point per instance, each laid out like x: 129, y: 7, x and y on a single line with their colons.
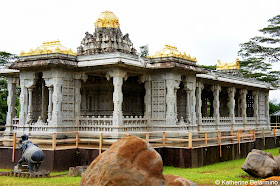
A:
x: 261, y: 164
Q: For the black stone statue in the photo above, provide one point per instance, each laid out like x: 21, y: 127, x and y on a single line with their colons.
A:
x: 30, y: 153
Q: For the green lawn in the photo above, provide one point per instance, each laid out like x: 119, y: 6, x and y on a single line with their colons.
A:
x: 203, y: 175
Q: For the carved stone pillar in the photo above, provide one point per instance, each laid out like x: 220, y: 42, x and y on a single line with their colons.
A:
x: 199, y: 88
x: 56, y: 103
x: 11, y: 101
x: 50, y: 106
x: 231, y: 94
x: 171, y: 85
x: 148, y: 95
x: 188, y: 115
x: 216, y: 89
x: 30, y: 107
x: 243, y: 94
x: 78, y: 98
x: 118, y: 76
x: 117, y: 99
x: 267, y: 108
x: 256, y: 106
x: 23, y: 103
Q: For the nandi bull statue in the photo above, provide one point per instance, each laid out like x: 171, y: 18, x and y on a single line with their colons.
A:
x: 30, y: 153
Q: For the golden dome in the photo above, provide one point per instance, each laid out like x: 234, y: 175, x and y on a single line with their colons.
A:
x: 228, y: 66
x: 171, y: 51
x: 107, y: 19
x: 49, y: 48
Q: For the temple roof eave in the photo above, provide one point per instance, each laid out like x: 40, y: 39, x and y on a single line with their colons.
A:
x: 235, y: 80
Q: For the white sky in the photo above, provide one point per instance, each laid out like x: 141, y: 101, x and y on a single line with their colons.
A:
x: 208, y: 30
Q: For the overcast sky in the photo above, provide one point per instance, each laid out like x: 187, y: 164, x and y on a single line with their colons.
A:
x: 208, y: 30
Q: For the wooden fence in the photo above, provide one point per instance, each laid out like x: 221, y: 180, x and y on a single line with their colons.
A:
x: 187, y: 140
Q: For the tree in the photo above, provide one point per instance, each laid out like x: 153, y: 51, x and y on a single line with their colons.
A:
x: 210, y: 67
x: 260, y: 52
x: 5, y: 57
x: 144, y: 50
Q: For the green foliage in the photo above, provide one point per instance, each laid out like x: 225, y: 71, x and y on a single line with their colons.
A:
x: 6, y: 57
x: 229, y: 170
x: 273, y: 107
x: 210, y: 67
x: 3, y: 101
x: 260, y: 52
x: 144, y: 50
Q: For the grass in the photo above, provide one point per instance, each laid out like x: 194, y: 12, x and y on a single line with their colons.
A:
x: 229, y: 170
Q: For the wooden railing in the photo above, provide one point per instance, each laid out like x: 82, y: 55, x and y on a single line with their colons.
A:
x: 156, y: 139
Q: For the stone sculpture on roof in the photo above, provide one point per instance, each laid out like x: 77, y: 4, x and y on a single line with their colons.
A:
x: 107, y: 37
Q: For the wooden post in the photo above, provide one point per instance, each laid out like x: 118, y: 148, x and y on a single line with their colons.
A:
x: 254, y: 135
x: 190, y: 140
x: 206, y: 139
x: 147, y: 137
x: 54, y: 141
x: 163, y: 138
x: 238, y: 141
x: 220, y: 142
x: 77, y: 139
x: 240, y: 133
x: 14, y: 146
x: 250, y: 134
x: 263, y: 137
x: 100, y: 143
x: 274, y: 134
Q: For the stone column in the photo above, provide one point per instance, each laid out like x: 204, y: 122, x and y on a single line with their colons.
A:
x: 118, y: 76
x: 216, y: 89
x: 56, y: 102
x: 77, y: 101
x: 267, y: 108
x: 30, y: 107
x: 256, y: 107
x: 147, y: 99
x: 199, y: 88
x: 117, y: 99
x: 11, y: 101
x: 23, y: 103
x: 192, y: 105
x: 188, y: 119
x: 171, y: 85
x: 231, y: 94
x: 50, y: 106
x: 243, y: 94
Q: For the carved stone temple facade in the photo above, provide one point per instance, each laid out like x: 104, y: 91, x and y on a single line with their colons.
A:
x: 107, y: 87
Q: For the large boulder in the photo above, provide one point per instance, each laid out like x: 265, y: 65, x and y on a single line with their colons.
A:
x: 260, y: 164
x: 129, y: 161
x: 173, y: 180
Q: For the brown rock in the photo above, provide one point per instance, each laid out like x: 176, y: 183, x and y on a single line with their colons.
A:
x: 129, y: 161
x: 173, y: 180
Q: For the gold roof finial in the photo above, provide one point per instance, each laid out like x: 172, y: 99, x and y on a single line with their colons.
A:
x: 227, y: 66
x: 172, y: 51
x: 48, y: 47
x: 107, y: 19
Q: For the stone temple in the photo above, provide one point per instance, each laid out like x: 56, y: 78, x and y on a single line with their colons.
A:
x: 108, y: 87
